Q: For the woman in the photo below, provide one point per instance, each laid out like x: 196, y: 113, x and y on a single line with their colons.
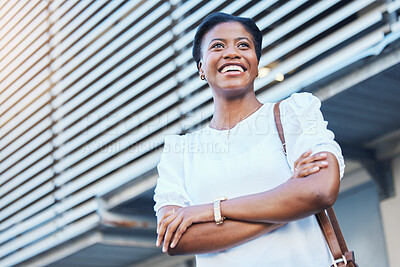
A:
x: 261, y: 217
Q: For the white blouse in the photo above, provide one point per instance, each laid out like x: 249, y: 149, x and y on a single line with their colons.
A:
x: 197, y: 167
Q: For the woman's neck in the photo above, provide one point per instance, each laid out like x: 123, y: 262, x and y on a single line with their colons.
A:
x: 229, y: 112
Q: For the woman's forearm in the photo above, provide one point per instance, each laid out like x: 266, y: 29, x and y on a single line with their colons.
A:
x: 295, y: 199
x: 209, y: 237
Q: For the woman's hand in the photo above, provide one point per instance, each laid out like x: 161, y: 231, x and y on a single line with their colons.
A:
x: 307, y: 164
x: 178, y: 220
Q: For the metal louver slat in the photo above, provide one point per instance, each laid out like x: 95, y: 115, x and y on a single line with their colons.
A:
x: 25, y: 213
x: 23, y: 124
x: 261, y: 6
x: 24, y: 176
x: 50, y: 227
x: 97, y: 126
x: 326, y: 66
x: 26, y: 187
x: 31, y: 33
x: 328, y: 43
x: 19, y: 205
x: 92, y: 77
x: 109, y: 79
x: 107, y: 41
x: 66, y: 233
x: 308, y: 34
x: 101, y: 156
x: 93, y: 40
x: 15, y: 18
x: 88, y: 18
x: 7, y: 11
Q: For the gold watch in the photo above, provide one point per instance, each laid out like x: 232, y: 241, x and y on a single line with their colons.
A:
x: 219, y: 219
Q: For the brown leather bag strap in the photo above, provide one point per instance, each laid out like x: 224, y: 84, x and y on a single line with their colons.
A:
x: 329, y: 226
x: 278, y: 123
x: 329, y: 234
x: 336, y: 228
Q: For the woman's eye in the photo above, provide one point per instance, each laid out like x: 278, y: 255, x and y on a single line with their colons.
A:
x: 244, y: 45
x: 217, y: 46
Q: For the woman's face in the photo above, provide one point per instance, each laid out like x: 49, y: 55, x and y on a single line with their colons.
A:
x: 229, y: 61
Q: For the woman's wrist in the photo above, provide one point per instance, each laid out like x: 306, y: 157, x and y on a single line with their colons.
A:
x: 218, y: 217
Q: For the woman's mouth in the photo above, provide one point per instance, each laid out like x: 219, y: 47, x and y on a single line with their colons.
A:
x: 228, y: 68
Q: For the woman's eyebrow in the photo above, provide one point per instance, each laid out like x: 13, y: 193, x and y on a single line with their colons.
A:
x: 222, y: 39
x: 240, y: 38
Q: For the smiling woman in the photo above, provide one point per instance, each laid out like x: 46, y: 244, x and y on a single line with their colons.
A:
x: 241, y: 206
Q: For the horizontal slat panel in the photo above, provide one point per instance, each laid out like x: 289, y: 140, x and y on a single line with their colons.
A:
x: 25, y: 213
x: 99, y: 157
x: 50, y: 227
x: 101, y: 126
x: 29, y: 128
x: 26, y: 175
x: 106, y: 40
x: 57, y: 238
x: 26, y: 187
x: 8, y: 10
x: 25, y: 109
x: 26, y: 150
x: 16, y: 48
x: 125, y: 80
x: 324, y: 68
x: 86, y: 20
x: 309, y: 33
x: 20, y: 204
x: 17, y: 15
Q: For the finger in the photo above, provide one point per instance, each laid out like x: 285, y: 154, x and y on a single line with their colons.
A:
x: 306, y: 172
x: 178, y: 234
x: 304, y: 155
x: 163, y: 227
x: 313, y: 158
x: 319, y: 156
x: 311, y: 168
x: 321, y: 164
x: 301, y: 159
x: 163, y: 217
x: 170, y: 231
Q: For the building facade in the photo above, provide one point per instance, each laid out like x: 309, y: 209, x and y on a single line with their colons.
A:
x: 89, y: 90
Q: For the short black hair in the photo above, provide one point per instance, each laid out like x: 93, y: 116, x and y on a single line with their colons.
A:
x: 213, y: 20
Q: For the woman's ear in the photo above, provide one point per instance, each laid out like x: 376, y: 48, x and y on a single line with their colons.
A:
x: 200, y: 66
x: 201, y: 71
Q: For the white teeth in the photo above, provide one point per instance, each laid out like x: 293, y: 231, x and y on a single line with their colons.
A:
x: 232, y: 67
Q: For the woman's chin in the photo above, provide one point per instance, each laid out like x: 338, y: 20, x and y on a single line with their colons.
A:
x: 233, y: 89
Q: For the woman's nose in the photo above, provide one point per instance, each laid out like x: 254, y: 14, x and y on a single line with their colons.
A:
x: 231, y: 53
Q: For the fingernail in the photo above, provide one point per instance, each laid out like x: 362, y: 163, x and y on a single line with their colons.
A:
x: 164, y: 249
x: 316, y: 168
x: 172, y: 245
x: 322, y: 154
x: 324, y: 162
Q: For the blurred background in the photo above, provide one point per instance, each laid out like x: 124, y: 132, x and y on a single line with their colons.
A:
x: 89, y: 89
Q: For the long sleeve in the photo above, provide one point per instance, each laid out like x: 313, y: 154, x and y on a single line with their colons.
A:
x: 170, y: 189
x: 305, y: 128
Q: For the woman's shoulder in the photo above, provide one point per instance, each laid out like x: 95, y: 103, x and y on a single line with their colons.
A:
x: 301, y: 102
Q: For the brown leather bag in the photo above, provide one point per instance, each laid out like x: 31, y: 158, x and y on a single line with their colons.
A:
x: 326, y: 219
